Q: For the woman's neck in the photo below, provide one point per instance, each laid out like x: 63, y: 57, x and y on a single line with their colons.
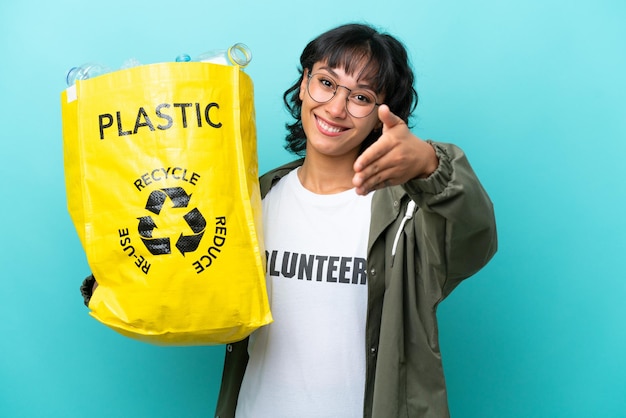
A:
x: 327, y: 175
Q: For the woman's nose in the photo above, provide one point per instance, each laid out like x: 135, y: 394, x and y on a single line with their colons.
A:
x: 337, y: 105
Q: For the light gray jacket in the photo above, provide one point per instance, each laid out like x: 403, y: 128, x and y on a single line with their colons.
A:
x: 425, y: 237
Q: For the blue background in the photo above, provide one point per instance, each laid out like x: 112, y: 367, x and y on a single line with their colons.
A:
x: 532, y: 90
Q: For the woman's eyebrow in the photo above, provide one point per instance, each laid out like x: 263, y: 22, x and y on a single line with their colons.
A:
x: 361, y: 85
x: 330, y: 70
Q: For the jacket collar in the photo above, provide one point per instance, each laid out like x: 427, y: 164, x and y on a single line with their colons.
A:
x: 269, y: 179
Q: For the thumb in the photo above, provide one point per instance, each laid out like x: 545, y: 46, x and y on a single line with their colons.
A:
x: 388, y: 118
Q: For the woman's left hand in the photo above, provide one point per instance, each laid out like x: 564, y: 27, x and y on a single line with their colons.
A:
x: 395, y: 158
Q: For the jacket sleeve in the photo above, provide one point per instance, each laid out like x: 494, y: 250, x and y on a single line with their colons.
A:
x: 456, y: 219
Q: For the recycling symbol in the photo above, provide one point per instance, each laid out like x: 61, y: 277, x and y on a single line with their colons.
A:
x: 147, y: 225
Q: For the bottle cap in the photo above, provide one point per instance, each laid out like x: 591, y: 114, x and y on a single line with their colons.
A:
x: 240, y: 54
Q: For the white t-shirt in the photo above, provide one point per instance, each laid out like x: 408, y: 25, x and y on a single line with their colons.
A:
x: 310, y: 362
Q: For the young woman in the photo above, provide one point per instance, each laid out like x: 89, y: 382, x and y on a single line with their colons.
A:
x: 364, y: 237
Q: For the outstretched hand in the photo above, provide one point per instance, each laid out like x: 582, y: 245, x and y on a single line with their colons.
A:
x: 395, y: 158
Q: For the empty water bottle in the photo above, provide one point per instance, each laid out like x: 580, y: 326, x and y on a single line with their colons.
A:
x: 238, y: 54
x: 130, y: 63
x: 183, y: 58
x: 85, y: 71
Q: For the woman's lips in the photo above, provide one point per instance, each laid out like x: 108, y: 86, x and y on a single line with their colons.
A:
x: 328, y: 128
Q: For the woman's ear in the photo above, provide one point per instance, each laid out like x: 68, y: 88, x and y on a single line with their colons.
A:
x: 303, y: 83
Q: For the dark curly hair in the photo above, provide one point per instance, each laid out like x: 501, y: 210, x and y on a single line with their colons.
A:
x: 386, y: 67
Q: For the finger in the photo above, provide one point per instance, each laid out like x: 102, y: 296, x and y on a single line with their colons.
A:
x: 365, y: 190
x: 378, y: 148
x: 369, y: 157
x: 378, y: 181
x: 388, y: 118
x: 369, y: 175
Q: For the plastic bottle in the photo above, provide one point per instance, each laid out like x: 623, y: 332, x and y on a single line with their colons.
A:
x: 85, y: 71
x: 239, y: 54
x: 130, y: 63
x: 183, y: 58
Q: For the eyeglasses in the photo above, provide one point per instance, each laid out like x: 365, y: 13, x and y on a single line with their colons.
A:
x: 359, y: 103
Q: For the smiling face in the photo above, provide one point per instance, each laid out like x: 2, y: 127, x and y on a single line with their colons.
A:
x: 330, y: 130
